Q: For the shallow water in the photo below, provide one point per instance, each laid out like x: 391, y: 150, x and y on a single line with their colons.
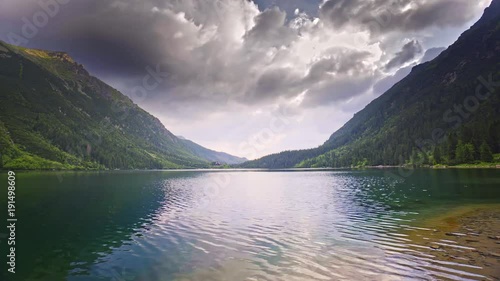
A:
x: 239, y: 225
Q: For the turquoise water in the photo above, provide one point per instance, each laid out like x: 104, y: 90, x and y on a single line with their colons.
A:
x: 234, y: 225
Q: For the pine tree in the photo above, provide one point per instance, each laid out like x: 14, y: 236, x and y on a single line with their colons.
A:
x: 437, y: 155
x: 414, y: 157
x: 485, y: 151
x: 451, y: 148
x: 460, y: 152
x: 469, y: 153
x: 465, y: 152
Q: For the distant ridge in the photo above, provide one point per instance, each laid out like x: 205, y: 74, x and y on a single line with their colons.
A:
x: 211, y: 155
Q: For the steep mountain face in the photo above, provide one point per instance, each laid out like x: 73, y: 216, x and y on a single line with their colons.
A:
x: 54, y: 115
x: 442, y: 107
x: 211, y: 155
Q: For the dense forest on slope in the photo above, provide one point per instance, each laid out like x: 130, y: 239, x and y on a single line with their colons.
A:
x: 54, y: 115
x: 445, y: 111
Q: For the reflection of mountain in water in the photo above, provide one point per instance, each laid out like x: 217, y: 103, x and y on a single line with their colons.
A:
x: 87, y: 218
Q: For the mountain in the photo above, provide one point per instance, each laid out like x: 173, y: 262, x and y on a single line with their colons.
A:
x: 54, y: 115
x: 211, y: 155
x: 445, y: 111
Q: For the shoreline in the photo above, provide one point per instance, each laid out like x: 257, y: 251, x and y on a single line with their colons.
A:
x: 472, y: 167
x: 438, y: 167
x: 466, y: 235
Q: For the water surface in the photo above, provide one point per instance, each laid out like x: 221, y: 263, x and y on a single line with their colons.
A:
x: 239, y: 225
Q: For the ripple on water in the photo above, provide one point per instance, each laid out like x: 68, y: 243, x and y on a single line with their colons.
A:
x: 291, y: 226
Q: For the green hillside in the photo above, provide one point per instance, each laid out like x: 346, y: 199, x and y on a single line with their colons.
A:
x: 211, y: 155
x: 438, y: 114
x: 54, y: 115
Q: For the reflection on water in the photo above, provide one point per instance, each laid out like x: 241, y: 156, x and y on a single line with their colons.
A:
x: 352, y: 225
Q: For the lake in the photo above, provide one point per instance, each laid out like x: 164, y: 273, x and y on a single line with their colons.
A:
x: 249, y: 225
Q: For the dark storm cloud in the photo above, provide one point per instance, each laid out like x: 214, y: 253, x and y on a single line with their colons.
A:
x: 289, y: 6
x: 113, y: 38
x: 276, y: 82
x: 270, y: 29
x: 339, y: 89
x: 213, y: 53
x: 380, y: 16
x: 117, y: 37
x: 335, y: 77
x: 339, y: 61
x: 342, y: 75
x: 408, y: 53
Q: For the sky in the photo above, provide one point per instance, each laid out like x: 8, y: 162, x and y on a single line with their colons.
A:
x: 249, y: 78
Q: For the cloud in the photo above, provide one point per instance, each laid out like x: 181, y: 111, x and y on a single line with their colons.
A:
x: 290, y: 6
x: 220, y: 53
x: 408, y: 53
x: 431, y: 54
x: 270, y: 30
x: 387, y: 82
x: 382, y: 16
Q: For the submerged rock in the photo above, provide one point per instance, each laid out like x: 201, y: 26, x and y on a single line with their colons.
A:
x: 496, y: 255
x: 471, y: 240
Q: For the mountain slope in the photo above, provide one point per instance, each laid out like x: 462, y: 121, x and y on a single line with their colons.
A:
x: 211, y: 155
x: 416, y: 121
x: 54, y: 115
